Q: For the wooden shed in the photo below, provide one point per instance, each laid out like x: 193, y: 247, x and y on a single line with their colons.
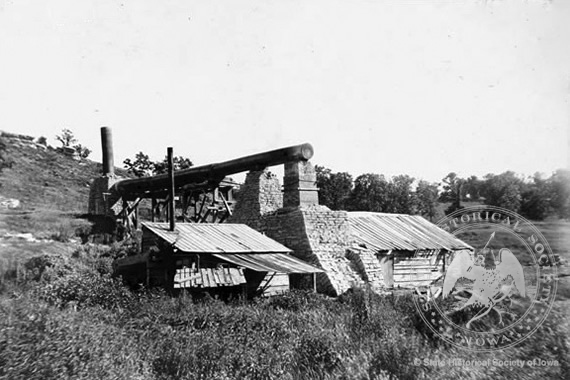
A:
x: 226, y: 258
x: 411, y: 250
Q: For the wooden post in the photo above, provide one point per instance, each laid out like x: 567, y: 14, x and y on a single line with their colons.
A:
x: 315, y: 282
x: 387, y: 263
x: 125, y: 212
x: 171, y: 182
x: 136, y: 216
x: 152, y: 208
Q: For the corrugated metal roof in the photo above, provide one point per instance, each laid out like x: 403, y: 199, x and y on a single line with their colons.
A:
x: 216, y: 238
x: 273, y: 262
x: 383, y: 232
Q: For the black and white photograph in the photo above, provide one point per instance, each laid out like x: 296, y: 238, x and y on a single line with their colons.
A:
x: 284, y: 189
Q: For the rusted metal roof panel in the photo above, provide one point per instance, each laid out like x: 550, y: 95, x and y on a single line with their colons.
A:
x: 384, y: 232
x: 273, y: 262
x: 216, y: 238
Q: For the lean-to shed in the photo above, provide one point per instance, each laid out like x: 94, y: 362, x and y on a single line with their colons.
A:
x: 214, y: 257
x: 411, y: 250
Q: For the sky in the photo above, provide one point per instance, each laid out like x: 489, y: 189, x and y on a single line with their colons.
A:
x: 404, y: 87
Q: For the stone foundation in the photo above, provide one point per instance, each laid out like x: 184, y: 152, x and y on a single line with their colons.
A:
x: 260, y: 195
x: 101, y: 200
x: 316, y: 234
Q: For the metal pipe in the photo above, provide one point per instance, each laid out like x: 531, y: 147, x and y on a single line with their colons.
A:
x: 213, y: 172
x: 107, y: 146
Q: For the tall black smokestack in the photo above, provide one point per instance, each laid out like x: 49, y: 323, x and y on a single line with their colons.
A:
x: 107, y: 145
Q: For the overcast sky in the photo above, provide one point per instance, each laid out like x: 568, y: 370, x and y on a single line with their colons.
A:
x: 421, y: 88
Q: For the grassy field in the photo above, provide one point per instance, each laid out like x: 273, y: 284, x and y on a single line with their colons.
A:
x: 62, y: 316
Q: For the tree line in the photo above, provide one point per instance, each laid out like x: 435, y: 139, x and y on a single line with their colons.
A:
x: 533, y: 197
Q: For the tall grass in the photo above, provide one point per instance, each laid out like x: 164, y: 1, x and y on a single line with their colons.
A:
x: 75, y: 321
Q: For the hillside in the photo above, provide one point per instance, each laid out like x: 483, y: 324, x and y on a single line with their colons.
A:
x: 49, y: 187
x: 43, y: 178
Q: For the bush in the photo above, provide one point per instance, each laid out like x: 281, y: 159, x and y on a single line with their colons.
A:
x: 82, y: 151
x: 86, y: 289
x: 68, y: 229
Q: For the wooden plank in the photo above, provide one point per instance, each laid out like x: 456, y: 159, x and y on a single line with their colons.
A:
x: 225, y: 273
x: 412, y: 284
x: 217, y: 276
x: 226, y: 205
x: 387, y: 263
x: 235, y: 277
x: 412, y: 272
x: 211, y: 280
x: 187, y: 278
x: 412, y: 276
x: 397, y: 266
x: 229, y: 276
x: 201, y: 279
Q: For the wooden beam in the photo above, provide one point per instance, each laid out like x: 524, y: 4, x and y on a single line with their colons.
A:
x: 198, y: 216
x: 171, y: 215
x: 314, y: 282
x: 203, y: 218
x: 226, y: 204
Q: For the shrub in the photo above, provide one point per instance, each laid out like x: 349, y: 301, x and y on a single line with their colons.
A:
x: 82, y: 151
x: 66, y: 229
x: 86, y: 289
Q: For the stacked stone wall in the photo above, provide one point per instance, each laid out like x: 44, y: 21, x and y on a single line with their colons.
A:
x: 316, y: 234
x: 368, y: 266
x: 101, y: 200
x: 259, y: 196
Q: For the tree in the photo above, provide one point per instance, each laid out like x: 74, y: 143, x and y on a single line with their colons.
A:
x: 560, y: 193
x: 400, y: 195
x: 334, y: 188
x: 179, y: 162
x: 471, y: 189
x: 142, y: 166
x: 369, y: 193
x: 82, y: 151
x: 535, y: 198
x: 66, y: 138
x: 425, y: 199
x: 452, y: 192
x: 503, y: 190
